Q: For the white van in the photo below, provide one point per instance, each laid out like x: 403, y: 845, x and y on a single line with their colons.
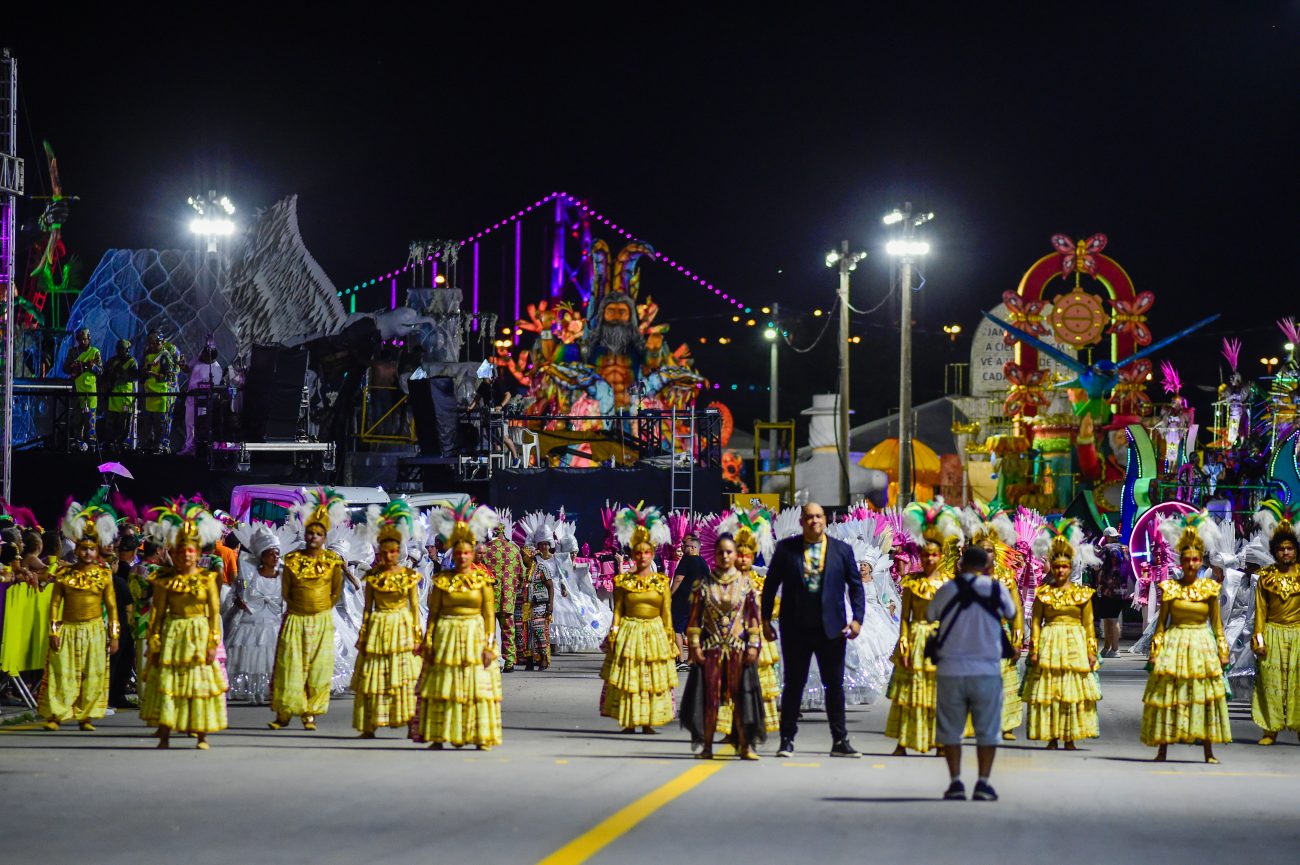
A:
x: 421, y: 502
x: 271, y: 503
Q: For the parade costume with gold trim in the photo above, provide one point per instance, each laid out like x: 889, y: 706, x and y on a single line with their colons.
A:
x: 386, y: 669
x: 312, y: 585
x: 1275, y: 704
x: 75, y: 685
x: 1061, y: 692
x: 460, y: 694
x: 913, y: 687
x: 185, y: 691
x: 1186, y: 697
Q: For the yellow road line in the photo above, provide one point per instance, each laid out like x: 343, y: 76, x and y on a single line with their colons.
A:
x: 590, y: 843
x: 13, y: 728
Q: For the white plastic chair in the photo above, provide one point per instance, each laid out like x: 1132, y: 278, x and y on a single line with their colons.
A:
x: 527, y: 447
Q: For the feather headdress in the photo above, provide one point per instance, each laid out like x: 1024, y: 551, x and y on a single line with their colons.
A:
x: 1289, y: 330
x: 322, y: 507
x: 1278, y: 520
x: 751, y: 529
x: 978, y: 521
x: 94, y: 522
x: 181, y: 523
x: 1058, y: 540
x: 467, y: 523
x: 1232, y: 352
x: 257, y: 539
x: 1222, y: 552
x: 536, y: 527
x: 566, y: 536
x: 786, y: 523
x: 1188, y: 531
x: 638, y: 525
x: 1170, y: 380
x: 933, y: 523
x: 393, y: 522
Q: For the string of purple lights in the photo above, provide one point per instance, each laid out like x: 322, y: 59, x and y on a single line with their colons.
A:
x: 513, y: 219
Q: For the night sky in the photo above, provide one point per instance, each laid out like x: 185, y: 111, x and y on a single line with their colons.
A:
x: 745, y: 148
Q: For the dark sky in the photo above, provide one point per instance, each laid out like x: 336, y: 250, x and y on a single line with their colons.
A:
x: 745, y: 148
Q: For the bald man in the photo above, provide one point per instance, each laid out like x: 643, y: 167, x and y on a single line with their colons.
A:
x: 813, y: 571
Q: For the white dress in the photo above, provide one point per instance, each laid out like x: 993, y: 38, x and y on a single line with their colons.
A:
x: 867, y: 657
x: 580, y: 620
x: 251, y: 635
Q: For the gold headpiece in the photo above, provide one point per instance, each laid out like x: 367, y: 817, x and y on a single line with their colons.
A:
x: 395, y: 522
x: 181, y: 523
x: 468, y: 523
x: 321, y: 507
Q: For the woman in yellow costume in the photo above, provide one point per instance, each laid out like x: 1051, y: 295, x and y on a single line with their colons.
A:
x: 993, y: 531
x: 185, y: 690
x: 912, y: 687
x: 75, y: 684
x: 640, y: 669
x: 1275, y: 705
x: 386, y: 668
x: 460, y: 687
x: 752, y: 532
x: 1061, y: 693
x: 1186, y: 698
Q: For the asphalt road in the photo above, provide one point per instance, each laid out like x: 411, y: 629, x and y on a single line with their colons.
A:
x: 325, y: 797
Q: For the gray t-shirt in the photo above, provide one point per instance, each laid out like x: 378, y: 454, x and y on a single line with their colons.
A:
x: 973, y: 642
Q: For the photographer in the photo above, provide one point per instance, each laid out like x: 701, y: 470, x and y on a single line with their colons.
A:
x: 968, y: 651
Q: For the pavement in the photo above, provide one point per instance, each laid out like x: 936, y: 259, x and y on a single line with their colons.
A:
x: 566, y: 787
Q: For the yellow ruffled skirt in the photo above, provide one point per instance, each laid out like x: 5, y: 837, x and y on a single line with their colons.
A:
x: 1275, y: 704
x: 184, y: 692
x: 912, y: 694
x: 1186, y: 699
x: 1061, y: 692
x: 1013, y: 708
x: 75, y: 685
x: 768, y: 657
x: 640, y: 672
x: 385, y: 673
x: 461, y: 699
x: 304, y: 665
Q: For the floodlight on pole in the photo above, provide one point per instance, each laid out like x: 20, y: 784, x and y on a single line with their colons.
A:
x: 906, y: 249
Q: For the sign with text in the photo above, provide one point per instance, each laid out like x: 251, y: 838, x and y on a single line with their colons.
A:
x: 989, y: 354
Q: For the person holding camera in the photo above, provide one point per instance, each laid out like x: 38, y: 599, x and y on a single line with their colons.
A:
x: 968, y: 651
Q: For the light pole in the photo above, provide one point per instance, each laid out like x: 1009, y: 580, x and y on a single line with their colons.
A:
x: 770, y: 334
x: 907, y: 251
x: 847, y: 261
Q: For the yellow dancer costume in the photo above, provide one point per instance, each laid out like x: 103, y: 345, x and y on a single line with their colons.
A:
x: 640, y: 669
x: 460, y: 686
x: 1061, y: 692
x: 75, y: 685
x: 1186, y: 698
x: 753, y: 534
x: 185, y: 690
x: 992, y: 530
x: 312, y: 583
x: 912, y: 688
x: 1275, y: 705
x: 386, y: 669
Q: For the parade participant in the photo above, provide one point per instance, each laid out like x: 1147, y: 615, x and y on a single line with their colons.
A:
x: 121, y: 375
x: 1061, y: 693
x: 76, y: 669
x: 386, y: 668
x: 1111, y: 582
x: 121, y: 667
x: 460, y: 686
x: 691, y: 569
x: 85, y: 367
x: 1275, y: 705
x: 505, y: 560
x: 158, y: 376
x: 204, y: 378
x: 185, y: 688
x: 813, y: 572
x: 1186, y: 698
x: 912, y: 689
x: 254, y: 621
x: 992, y: 531
x: 580, y: 619
x: 724, y: 639
x: 752, y: 533
x: 640, y: 669
x: 138, y: 583
x: 540, y: 595
x: 311, y: 585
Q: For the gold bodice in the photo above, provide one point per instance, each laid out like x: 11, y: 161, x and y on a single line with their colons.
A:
x: 1063, y: 603
x: 1188, y: 604
x: 461, y: 593
x: 188, y: 595
x: 1279, y: 596
x: 310, y: 581
x: 391, y: 590
x: 643, y: 597
x: 83, y: 589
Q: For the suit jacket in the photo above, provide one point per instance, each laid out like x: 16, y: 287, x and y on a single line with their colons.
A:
x: 840, y: 576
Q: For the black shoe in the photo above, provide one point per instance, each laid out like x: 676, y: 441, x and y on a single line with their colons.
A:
x: 957, y: 790
x: 842, y: 748
x: 984, y: 792
x: 786, y: 749
x: 683, y: 667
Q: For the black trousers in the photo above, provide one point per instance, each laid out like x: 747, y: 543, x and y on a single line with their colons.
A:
x: 798, y: 647
x: 120, y: 668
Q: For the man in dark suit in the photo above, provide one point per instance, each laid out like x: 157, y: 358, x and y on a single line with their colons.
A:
x: 813, y: 571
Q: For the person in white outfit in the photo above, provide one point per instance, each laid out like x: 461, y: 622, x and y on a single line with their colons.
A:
x: 254, y: 618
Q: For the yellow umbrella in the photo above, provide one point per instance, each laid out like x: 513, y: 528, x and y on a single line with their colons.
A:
x: 884, y: 456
